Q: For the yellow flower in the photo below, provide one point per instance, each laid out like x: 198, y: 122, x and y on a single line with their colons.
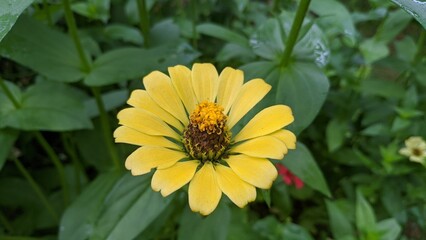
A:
x: 415, y: 149
x: 183, y: 124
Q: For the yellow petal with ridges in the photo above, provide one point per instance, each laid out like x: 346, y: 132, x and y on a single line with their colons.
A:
x: 204, y: 82
x: 259, y: 172
x: 230, y: 82
x: 145, y: 158
x: 239, y: 191
x: 250, y: 94
x: 182, y: 82
x: 262, y: 147
x: 265, y: 122
x: 160, y: 88
x: 145, y: 122
x: 287, y: 137
x: 170, y: 179
x: 128, y: 135
x: 204, y: 192
x: 141, y: 99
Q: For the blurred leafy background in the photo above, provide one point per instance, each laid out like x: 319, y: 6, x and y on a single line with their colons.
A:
x: 354, y: 73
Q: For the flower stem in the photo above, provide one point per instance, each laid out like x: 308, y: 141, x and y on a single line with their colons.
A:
x: 58, y: 165
x: 47, y: 12
x: 9, y: 94
x: 36, y: 189
x: 72, y: 27
x: 276, y: 6
x: 78, y: 168
x: 5, y: 222
x: 144, y: 22
x: 294, y: 31
x: 194, y: 18
x: 106, y: 128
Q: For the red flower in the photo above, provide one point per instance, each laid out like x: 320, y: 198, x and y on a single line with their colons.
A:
x: 288, y: 177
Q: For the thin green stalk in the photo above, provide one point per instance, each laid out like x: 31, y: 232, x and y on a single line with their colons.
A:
x: 36, y: 189
x: 78, y: 168
x: 144, y: 21
x: 276, y: 6
x: 420, y: 46
x: 58, y: 165
x: 9, y: 93
x: 72, y: 27
x: 6, y: 223
x: 47, y: 11
x: 106, y: 129
x: 194, y: 18
x: 294, y: 31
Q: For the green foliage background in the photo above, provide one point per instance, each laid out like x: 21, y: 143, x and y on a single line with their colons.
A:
x: 353, y: 72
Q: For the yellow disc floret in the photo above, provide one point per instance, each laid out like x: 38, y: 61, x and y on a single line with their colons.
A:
x: 207, y: 137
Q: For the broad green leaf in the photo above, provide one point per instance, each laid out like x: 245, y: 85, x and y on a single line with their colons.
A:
x: 335, y: 18
x: 293, y: 231
x: 212, y: 227
x: 7, y: 139
x: 111, y: 100
x: 45, y: 50
x: 223, y: 33
x: 45, y: 106
x: 340, y: 224
x: 269, y: 228
x: 93, y: 9
x: 389, y: 229
x: 78, y: 221
x: 417, y: 9
x: 382, y: 88
x: 373, y: 50
x: 365, y: 218
x: 303, y: 165
x: 164, y: 33
x: 303, y: 87
x: 129, y: 63
x: 394, y: 23
x: 111, y: 209
x: 335, y: 134
x: 9, y: 12
x: 124, y: 33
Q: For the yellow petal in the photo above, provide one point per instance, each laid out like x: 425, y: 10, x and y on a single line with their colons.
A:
x: 287, y: 137
x: 262, y: 147
x: 250, y: 94
x: 204, y: 81
x: 125, y: 134
x: 204, y: 192
x: 236, y: 189
x: 160, y: 88
x: 230, y: 82
x: 145, y: 122
x: 266, y: 121
x: 181, y: 79
x: 171, y: 179
x: 259, y: 172
x: 145, y: 158
x: 141, y: 99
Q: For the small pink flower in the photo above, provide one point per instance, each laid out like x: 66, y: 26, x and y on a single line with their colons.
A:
x: 288, y: 177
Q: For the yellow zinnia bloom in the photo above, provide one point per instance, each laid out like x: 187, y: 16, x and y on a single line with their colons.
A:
x: 183, y: 123
x: 415, y: 149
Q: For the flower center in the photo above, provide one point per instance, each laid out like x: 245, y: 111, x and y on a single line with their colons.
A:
x: 416, y: 152
x: 206, y: 137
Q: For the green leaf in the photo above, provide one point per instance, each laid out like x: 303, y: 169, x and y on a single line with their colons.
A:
x: 113, y: 209
x: 293, y: 231
x: 373, y: 50
x: 222, y: 33
x: 45, y: 106
x: 340, y: 224
x: 335, y: 18
x: 212, y: 227
x: 417, y: 9
x: 124, y: 33
x: 266, y: 194
x: 79, y: 219
x: 9, y: 12
x: 394, y: 23
x: 93, y: 9
x: 382, y: 88
x: 335, y: 134
x: 46, y: 51
x: 365, y: 218
x: 303, y: 87
x: 302, y: 164
x: 129, y: 63
x: 7, y: 140
x: 389, y: 229
x: 111, y: 100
